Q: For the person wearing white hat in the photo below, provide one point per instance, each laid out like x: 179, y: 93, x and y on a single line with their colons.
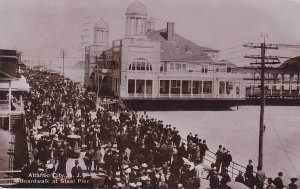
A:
x: 127, y: 170
x: 125, y: 166
x: 125, y: 176
x: 138, y: 184
x: 144, y: 165
x: 120, y: 185
x: 49, y: 167
x: 133, y: 175
x: 132, y: 185
x: 147, y: 183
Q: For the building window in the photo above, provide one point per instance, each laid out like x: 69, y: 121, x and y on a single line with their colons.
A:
x: 131, y: 86
x: 183, y: 67
x: 204, y: 68
x: 177, y: 67
x: 207, y: 87
x: 172, y: 66
x: 175, y: 83
x: 140, y: 64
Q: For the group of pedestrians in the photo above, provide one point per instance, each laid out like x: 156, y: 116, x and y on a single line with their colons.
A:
x: 133, y: 151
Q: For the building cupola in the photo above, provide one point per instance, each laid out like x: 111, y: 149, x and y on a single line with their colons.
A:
x: 101, y: 32
x: 136, y: 19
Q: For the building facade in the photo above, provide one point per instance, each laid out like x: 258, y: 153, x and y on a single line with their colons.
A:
x: 12, y: 84
x: 149, y: 64
x: 281, y: 82
x: 101, y: 36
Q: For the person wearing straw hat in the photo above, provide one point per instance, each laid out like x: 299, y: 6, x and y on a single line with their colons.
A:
x: 293, y: 184
x: 49, y: 167
x: 133, y: 175
x: 132, y: 185
x: 120, y: 185
x: 125, y: 176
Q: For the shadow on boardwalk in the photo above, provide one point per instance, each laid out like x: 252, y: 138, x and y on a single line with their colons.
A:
x: 20, y: 149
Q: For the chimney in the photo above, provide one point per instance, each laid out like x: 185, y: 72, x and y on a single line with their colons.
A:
x: 170, y: 31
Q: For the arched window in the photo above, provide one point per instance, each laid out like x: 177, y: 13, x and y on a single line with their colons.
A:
x: 140, y: 64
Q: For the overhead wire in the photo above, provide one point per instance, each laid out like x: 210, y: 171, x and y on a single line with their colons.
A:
x: 282, y: 146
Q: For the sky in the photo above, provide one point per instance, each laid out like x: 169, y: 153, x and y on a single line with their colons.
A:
x: 42, y: 28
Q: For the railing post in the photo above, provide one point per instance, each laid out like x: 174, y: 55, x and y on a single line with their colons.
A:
x: 232, y: 169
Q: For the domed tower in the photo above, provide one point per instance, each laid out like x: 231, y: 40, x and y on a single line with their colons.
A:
x: 136, y: 19
x: 101, y: 32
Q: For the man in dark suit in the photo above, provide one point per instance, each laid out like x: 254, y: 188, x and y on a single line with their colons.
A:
x: 76, y: 172
x: 278, y: 181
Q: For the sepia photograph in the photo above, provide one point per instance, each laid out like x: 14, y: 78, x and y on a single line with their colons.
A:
x: 166, y: 94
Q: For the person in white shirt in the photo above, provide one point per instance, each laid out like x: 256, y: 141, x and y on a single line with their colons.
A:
x: 199, y: 170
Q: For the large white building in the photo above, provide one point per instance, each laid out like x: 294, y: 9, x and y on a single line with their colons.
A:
x: 150, y: 65
x: 101, y: 35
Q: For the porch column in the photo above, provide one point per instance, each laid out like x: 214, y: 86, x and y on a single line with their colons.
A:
x: 135, y: 26
x: 135, y: 88
x: 127, y: 26
x: 21, y: 100
x: 145, y: 88
x: 9, y: 106
x: 202, y: 89
x: 240, y: 89
x: 180, y: 92
x: 169, y: 88
x: 191, y: 88
x: 271, y: 89
x: 225, y: 89
x: 218, y: 88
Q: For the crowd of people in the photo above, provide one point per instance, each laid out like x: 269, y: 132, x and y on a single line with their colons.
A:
x: 133, y: 151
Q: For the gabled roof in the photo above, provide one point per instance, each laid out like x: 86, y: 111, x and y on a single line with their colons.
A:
x: 179, y: 48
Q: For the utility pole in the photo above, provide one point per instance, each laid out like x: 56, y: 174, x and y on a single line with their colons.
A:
x: 50, y: 64
x: 63, y: 53
x: 264, y: 60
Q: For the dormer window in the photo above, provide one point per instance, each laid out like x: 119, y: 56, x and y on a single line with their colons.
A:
x: 188, y: 51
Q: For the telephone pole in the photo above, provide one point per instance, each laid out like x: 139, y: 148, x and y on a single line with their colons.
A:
x: 264, y: 60
x: 63, y: 54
